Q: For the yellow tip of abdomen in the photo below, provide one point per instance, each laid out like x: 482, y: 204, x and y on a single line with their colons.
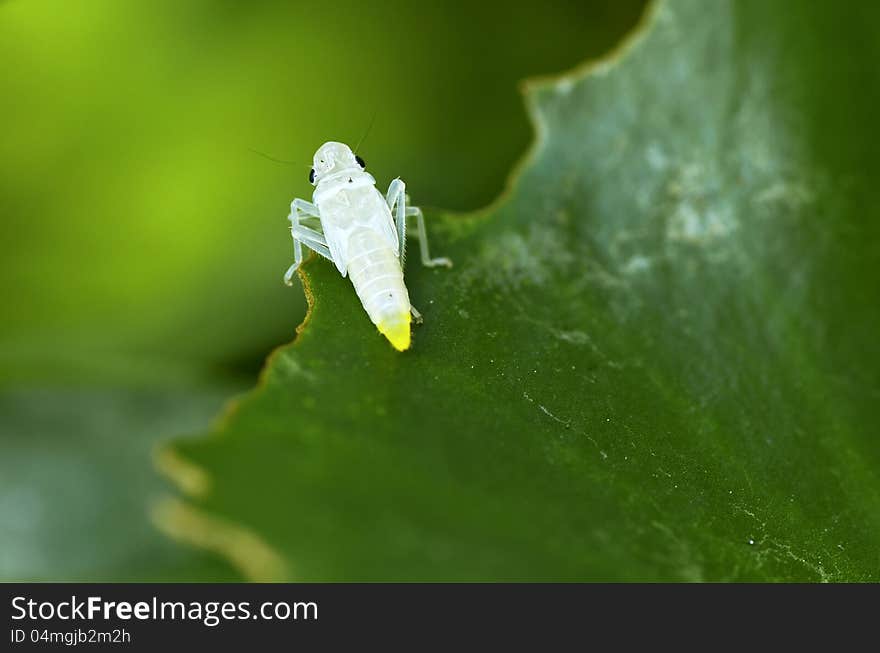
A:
x: 397, y: 331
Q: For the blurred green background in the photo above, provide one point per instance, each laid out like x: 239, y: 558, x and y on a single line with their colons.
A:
x: 144, y: 242
x: 138, y: 221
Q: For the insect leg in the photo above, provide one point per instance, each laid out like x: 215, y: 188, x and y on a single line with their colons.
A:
x: 302, y: 235
x: 422, y: 235
x: 397, y: 199
x: 312, y: 239
x: 305, y: 208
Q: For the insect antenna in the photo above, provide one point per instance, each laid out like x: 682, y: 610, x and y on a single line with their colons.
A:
x: 366, y: 133
x: 272, y: 158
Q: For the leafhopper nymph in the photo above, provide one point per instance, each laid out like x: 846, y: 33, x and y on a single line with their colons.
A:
x: 363, y: 233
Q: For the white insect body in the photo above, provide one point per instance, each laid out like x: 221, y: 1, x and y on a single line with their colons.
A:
x: 363, y: 233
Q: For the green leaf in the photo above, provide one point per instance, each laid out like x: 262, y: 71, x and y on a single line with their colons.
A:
x: 656, y: 357
x: 77, y: 487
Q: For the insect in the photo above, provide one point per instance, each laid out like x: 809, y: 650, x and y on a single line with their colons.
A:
x: 350, y: 223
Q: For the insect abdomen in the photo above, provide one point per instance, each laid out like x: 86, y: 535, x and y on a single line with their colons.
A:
x: 377, y: 277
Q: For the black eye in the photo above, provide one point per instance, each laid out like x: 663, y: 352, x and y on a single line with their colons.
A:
x: 360, y: 161
x: 312, y: 176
